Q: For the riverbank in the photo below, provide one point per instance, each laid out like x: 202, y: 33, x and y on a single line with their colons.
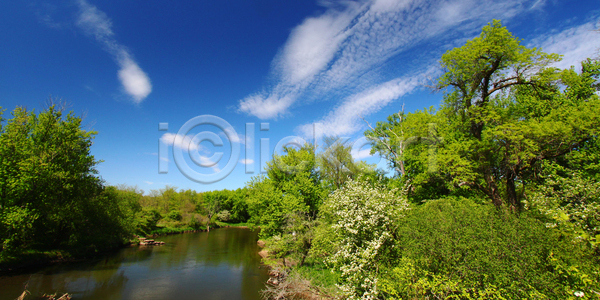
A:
x: 288, y: 280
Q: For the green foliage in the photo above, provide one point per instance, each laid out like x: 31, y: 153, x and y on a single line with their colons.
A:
x: 454, y: 248
x: 174, y: 215
x: 570, y: 204
x: 146, y: 220
x: 268, y: 207
x: 505, y: 114
x: 292, y: 186
x: 511, y: 131
x: 361, y: 219
x: 50, y: 196
x: 195, y: 223
x: 224, y: 216
x: 16, y: 226
x: 336, y: 164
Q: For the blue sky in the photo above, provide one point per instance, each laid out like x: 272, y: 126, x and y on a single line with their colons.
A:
x: 302, y: 67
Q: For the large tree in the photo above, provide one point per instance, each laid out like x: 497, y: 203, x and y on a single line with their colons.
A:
x: 50, y: 194
x: 335, y: 162
x: 505, y: 113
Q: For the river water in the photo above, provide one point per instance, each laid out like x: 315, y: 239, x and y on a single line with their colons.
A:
x: 220, y: 264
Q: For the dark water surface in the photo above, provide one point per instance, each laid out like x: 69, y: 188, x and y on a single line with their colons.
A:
x: 222, y: 264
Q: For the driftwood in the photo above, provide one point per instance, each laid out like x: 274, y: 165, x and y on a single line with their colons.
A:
x: 66, y: 296
x: 147, y: 242
x: 53, y: 297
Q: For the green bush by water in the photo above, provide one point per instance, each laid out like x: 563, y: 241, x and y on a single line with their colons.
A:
x: 454, y: 248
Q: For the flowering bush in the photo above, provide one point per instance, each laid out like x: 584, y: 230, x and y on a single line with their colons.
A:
x: 361, y: 227
x: 571, y: 204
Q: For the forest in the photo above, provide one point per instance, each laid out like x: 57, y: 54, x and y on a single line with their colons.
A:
x: 495, y: 192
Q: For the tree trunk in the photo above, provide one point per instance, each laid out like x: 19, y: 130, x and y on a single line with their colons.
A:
x: 208, y: 223
x: 492, y: 188
x: 476, y: 129
x: 511, y: 191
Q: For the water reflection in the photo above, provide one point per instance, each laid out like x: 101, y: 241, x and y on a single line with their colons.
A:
x: 222, y: 264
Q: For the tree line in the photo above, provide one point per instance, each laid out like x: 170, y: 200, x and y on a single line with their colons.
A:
x: 52, y: 198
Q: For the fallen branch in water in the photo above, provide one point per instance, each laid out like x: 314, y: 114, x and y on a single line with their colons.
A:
x: 66, y: 296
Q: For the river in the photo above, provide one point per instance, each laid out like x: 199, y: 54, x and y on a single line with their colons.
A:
x: 220, y: 264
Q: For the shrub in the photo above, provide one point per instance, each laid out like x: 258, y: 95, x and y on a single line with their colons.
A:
x: 174, y: 215
x: 16, y: 226
x: 458, y: 249
x: 195, y: 223
x: 147, y: 220
x: 224, y: 216
x: 362, y: 220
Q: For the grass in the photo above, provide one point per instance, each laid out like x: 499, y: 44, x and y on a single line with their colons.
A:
x: 311, y: 281
x: 319, y: 275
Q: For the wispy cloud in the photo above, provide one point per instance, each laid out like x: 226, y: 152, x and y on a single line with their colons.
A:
x: 346, y: 118
x: 339, y: 51
x: 539, y: 4
x: 575, y: 44
x: 235, y: 137
x: 96, y: 23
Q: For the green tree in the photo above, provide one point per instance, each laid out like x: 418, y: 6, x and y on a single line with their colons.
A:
x: 48, y: 185
x: 336, y: 164
x: 479, y: 73
x: 504, y: 113
x: 411, y: 142
x: 212, y: 205
x: 292, y: 186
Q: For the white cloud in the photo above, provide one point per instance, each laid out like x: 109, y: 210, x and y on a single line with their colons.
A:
x: 539, y: 4
x: 188, y: 144
x: 134, y: 80
x: 246, y: 161
x: 340, y: 51
x: 183, y: 142
x: 93, y: 21
x: 235, y: 137
x: 346, y: 118
x: 575, y: 44
x: 267, y: 106
x: 207, y: 162
x: 361, y: 154
x: 312, y: 45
